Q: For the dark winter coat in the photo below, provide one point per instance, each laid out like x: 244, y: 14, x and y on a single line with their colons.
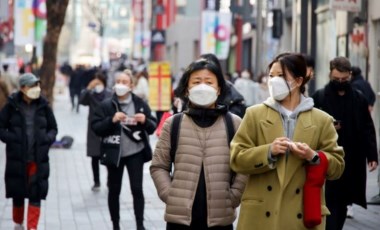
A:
x: 110, y: 132
x: 358, y: 138
x: 234, y: 100
x: 92, y: 99
x: 365, y: 88
x: 76, y: 83
x: 13, y: 134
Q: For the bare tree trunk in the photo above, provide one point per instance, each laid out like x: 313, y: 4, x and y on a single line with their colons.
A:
x: 56, y: 11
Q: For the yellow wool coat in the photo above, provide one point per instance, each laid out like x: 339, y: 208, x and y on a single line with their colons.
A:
x: 274, y: 192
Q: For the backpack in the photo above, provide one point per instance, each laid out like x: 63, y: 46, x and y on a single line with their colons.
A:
x: 174, y: 130
x: 65, y: 143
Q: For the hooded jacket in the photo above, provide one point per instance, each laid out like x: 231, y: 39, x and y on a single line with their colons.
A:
x: 273, y: 196
x: 13, y: 134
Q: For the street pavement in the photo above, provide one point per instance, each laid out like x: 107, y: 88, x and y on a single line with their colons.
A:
x: 72, y: 205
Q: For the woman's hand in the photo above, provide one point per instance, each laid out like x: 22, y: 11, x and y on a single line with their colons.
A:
x: 279, y: 146
x: 140, y: 117
x: 302, y: 150
x: 93, y: 83
x: 119, y: 117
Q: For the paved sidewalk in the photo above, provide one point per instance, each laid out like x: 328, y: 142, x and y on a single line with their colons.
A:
x: 72, y: 205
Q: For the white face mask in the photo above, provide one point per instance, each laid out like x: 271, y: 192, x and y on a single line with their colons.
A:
x: 33, y: 93
x: 278, y: 89
x: 99, y: 88
x: 121, y: 89
x: 203, y: 95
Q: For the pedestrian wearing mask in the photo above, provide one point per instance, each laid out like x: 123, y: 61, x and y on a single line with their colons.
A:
x: 124, y: 122
x: 288, y: 149
x: 248, y: 88
x: 233, y: 99
x: 28, y: 128
x: 203, y: 192
x: 95, y: 93
x: 357, y: 135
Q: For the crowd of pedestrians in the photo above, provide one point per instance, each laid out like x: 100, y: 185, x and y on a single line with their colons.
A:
x: 291, y: 161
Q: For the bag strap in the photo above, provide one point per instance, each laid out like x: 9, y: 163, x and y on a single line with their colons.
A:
x: 174, y: 134
x: 230, y: 127
x: 230, y: 134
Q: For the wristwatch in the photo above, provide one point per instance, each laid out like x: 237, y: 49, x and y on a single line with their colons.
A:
x: 315, y: 158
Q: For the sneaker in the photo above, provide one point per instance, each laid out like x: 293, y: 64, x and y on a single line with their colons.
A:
x: 96, y: 187
x: 19, y: 227
x: 375, y: 200
x: 350, y: 211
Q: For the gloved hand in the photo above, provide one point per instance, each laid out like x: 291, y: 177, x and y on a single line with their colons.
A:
x: 315, y: 179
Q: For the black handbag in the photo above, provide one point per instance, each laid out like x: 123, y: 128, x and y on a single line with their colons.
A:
x: 147, y: 150
x: 110, y: 158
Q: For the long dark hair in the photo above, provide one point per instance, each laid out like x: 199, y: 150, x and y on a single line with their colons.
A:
x: 201, y: 64
x: 295, y: 63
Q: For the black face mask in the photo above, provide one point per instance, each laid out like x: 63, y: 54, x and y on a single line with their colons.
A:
x: 340, y: 86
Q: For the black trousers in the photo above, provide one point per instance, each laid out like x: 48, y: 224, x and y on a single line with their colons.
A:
x: 134, y: 165
x: 74, y: 93
x: 337, y: 205
x: 338, y: 216
x: 95, y: 169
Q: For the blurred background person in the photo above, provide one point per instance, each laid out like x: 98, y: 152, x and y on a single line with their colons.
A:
x: 10, y: 79
x: 95, y: 93
x: 263, y: 92
x: 247, y: 88
x: 358, y: 82
x: 141, y: 85
x: 75, y: 86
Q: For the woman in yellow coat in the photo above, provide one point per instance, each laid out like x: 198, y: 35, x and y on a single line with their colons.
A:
x: 274, y: 144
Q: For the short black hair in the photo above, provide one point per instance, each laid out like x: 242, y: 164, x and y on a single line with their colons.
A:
x: 342, y: 64
x: 201, y: 64
x: 101, y: 77
x: 356, y: 71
